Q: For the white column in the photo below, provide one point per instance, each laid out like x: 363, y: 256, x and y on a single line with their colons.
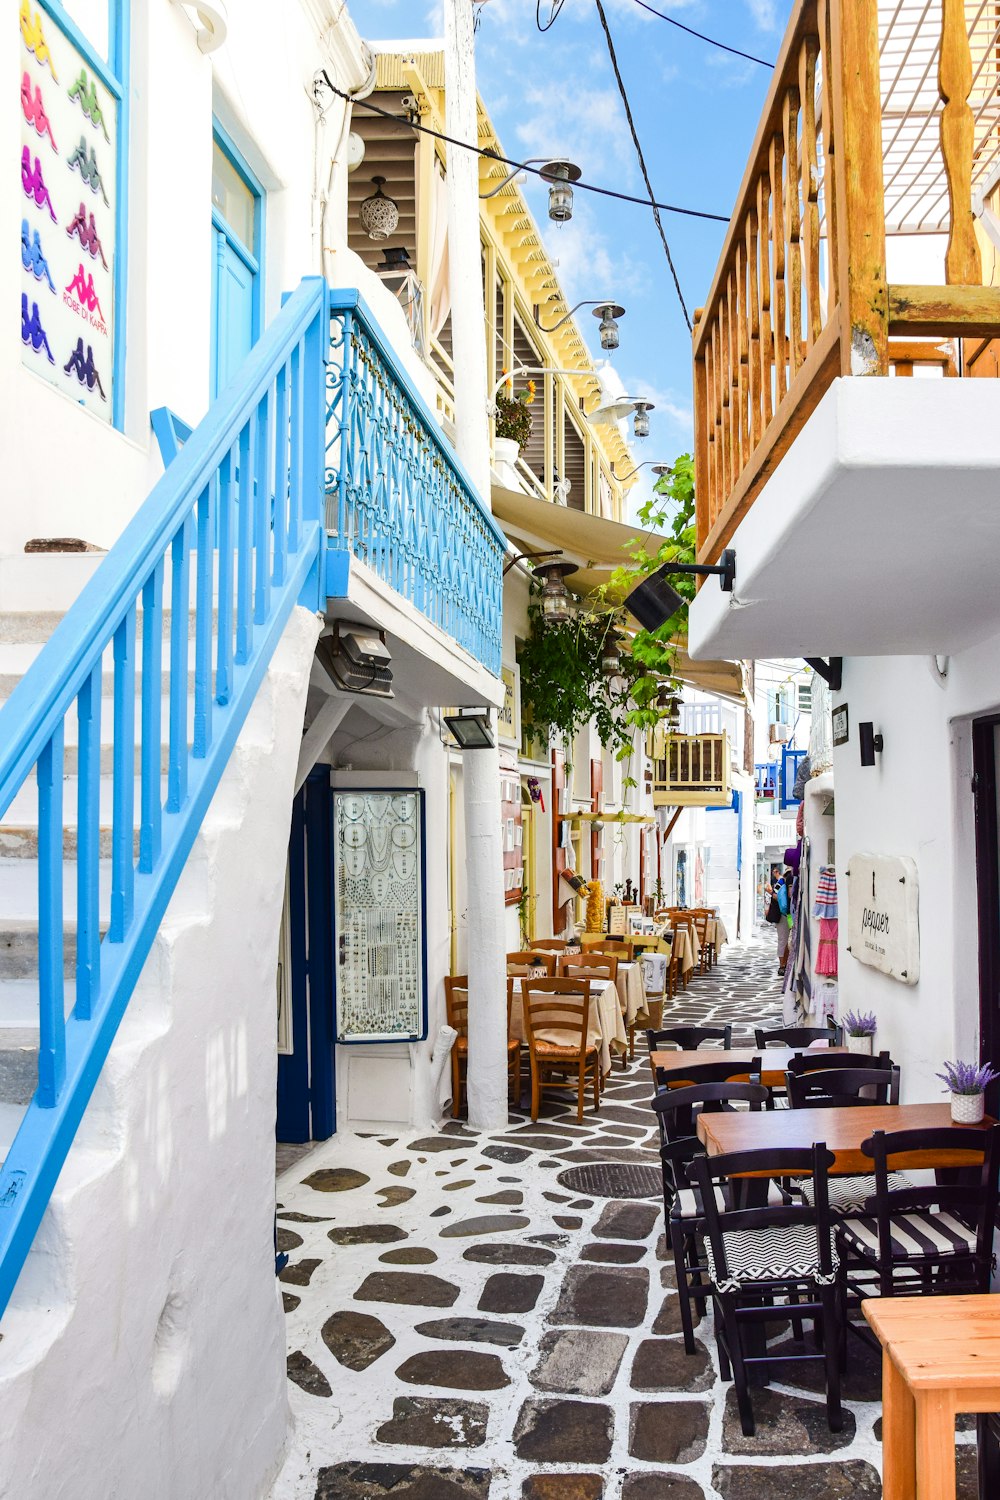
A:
x: 487, y: 1077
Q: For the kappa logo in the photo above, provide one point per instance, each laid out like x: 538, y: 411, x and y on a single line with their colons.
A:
x: 86, y: 163
x: 34, y: 38
x: 84, y: 368
x: 85, y: 90
x: 32, y: 332
x: 86, y: 233
x: 82, y: 288
x: 34, y: 110
x: 32, y: 258
x: 33, y: 183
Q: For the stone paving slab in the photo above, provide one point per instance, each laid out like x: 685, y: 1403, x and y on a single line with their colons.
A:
x: 540, y: 1356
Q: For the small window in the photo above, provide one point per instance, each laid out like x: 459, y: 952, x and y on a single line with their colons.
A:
x: 805, y: 697
x: 234, y: 199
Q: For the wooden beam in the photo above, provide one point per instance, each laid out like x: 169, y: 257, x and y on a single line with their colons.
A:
x: 670, y: 826
x: 945, y: 311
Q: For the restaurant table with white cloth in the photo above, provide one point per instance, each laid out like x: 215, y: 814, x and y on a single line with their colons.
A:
x: 630, y: 990
x: 605, y: 1023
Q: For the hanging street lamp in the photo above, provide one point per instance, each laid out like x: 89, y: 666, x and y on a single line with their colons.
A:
x: 557, y: 602
x: 379, y: 214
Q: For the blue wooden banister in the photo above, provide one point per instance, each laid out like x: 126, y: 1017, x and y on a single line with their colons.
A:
x: 240, y: 507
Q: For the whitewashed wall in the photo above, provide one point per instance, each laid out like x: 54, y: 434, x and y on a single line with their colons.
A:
x: 917, y: 801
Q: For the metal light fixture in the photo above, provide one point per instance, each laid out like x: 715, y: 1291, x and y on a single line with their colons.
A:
x: 640, y: 421
x: 611, y: 654
x: 379, y: 214
x: 609, y: 313
x: 652, y: 602
x: 660, y: 470
x: 560, y: 176
x: 472, y: 731
x: 557, y: 605
x: 605, y: 309
x: 356, y: 659
x: 870, y: 743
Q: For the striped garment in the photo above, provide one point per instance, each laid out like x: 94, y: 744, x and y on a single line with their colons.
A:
x: 785, y: 1252
x: 915, y: 1236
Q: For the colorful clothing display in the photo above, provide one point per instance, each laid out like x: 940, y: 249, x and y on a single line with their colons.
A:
x: 826, y: 952
x: 826, y: 893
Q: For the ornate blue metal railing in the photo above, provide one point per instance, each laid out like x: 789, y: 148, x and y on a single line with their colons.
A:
x: 397, y: 497
x: 232, y: 533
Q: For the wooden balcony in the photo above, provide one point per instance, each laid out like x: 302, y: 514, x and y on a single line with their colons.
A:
x: 882, y: 120
x: 690, y: 770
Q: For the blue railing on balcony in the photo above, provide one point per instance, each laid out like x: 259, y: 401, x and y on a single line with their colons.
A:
x: 233, y: 533
x: 790, y: 761
x: 397, y: 497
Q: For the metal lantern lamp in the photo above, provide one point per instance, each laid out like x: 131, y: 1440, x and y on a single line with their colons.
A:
x: 640, y: 419
x: 611, y: 655
x: 557, y: 605
x: 379, y: 214
x: 560, y: 176
x: 609, y: 313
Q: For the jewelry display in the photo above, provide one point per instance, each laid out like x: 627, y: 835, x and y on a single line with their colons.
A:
x: 379, y: 927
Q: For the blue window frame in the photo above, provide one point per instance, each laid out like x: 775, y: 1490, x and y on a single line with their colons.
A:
x: 232, y: 241
x: 113, y: 73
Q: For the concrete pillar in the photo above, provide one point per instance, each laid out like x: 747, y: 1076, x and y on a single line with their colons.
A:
x: 487, y: 1076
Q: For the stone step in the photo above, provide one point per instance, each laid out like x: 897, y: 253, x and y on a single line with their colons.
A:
x: 18, y: 1064
x: 34, y: 627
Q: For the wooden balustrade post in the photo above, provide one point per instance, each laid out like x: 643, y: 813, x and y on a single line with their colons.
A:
x: 963, y: 264
x: 860, y: 211
x: 702, y: 496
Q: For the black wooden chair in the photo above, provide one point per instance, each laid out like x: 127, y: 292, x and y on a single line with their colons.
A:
x: 824, y: 1061
x: 688, y: 1039
x: 798, y: 1036
x: 841, y: 1088
x: 931, y: 1239
x: 755, y: 1255
x: 714, y: 1072
x: 679, y: 1145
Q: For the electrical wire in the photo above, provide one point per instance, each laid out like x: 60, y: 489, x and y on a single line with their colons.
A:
x: 642, y: 160
x: 521, y: 166
x: 711, y: 40
x: 556, y: 7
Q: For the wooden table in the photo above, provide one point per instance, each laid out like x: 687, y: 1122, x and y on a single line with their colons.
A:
x: 940, y: 1356
x: 842, y: 1130
x: 773, y: 1060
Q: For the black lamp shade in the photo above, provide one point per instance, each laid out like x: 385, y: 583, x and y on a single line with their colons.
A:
x: 653, y: 601
x: 472, y: 731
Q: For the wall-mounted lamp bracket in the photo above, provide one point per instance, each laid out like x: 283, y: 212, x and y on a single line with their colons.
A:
x: 831, y: 671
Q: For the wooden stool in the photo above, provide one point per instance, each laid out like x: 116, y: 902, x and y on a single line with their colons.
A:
x: 940, y: 1356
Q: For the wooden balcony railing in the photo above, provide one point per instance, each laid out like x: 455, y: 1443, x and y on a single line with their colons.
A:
x: 800, y: 295
x: 690, y: 770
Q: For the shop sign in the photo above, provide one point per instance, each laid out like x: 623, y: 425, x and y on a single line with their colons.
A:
x: 882, y: 922
x: 509, y: 716
x: 67, y: 200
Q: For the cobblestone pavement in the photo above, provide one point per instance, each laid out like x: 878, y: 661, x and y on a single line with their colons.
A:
x: 466, y: 1320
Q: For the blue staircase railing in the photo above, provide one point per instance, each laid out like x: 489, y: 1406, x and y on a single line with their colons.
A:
x: 397, y: 497
x: 237, y: 521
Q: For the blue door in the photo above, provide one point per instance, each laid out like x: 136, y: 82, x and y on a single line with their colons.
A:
x: 237, y: 234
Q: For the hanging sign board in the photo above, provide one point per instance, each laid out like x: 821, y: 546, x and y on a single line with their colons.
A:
x: 882, y: 923
x: 509, y: 715
x: 67, y: 200
x: 379, y: 929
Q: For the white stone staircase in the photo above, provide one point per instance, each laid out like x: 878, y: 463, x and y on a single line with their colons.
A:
x: 154, y: 1258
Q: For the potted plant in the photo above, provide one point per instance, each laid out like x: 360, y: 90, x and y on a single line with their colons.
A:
x: 860, y: 1027
x: 967, y: 1083
x: 513, y: 421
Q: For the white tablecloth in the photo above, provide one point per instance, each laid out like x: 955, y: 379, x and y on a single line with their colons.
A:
x: 605, y: 1024
x: 630, y: 990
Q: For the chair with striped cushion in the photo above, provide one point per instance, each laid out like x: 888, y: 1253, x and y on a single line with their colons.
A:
x: 843, y: 1088
x: 936, y: 1238
x: 756, y: 1255
x: 679, y: 1145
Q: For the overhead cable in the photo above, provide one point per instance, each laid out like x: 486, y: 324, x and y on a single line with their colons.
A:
x: 642, y: 160
x: 555, y: 6
x: 522, y: 166
x: 711, y: 40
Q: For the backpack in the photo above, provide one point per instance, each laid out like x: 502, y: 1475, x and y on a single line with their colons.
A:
x: 773, y: 913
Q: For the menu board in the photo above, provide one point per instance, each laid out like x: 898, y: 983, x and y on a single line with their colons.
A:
x: 68, y: 200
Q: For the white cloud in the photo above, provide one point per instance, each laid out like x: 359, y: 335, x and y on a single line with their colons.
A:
x: 764, y: 13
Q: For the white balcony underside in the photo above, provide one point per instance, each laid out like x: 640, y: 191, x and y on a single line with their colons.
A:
x: 878, y: 533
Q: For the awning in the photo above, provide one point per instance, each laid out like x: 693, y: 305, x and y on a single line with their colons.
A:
x: 599, y: 546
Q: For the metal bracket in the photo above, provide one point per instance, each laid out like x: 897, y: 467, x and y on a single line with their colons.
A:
x: 831, y: 671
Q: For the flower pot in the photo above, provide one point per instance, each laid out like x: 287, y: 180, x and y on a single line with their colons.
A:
x: 865, y: 1044
x: 967, y: 1109
x: 505, y: 451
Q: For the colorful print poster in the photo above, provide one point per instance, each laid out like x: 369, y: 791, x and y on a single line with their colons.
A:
x: 68, y: 199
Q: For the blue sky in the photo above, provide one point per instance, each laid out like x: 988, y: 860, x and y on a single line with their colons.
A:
x: 696, y: 109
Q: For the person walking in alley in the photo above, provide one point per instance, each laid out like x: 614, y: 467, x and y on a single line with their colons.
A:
x: 783, y: 896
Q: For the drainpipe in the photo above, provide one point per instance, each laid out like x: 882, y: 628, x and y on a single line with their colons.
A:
x: 487, y: 1065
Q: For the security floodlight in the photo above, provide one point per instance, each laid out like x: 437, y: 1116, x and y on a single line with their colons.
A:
x: 472, y: 731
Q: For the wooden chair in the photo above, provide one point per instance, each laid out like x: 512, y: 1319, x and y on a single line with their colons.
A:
x: 842, y: 1088
x: 699, y: 917
x: 560, y: 1005
x: 688, y: 1039
x: 779, y: 1250
x: 549, y: 945
x: 928, y: 1239
x: 519, y: 963
x: 822, y: 1061
x: 456, y: 999
x: 679, y: 1145
x: 596, y: 964
x: 714, y: 1072
x: 799, y: 1036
